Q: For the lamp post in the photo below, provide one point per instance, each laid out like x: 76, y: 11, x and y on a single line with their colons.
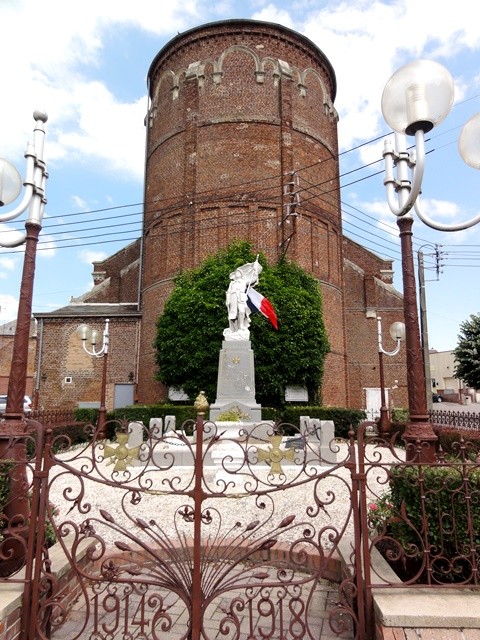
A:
x: 418, y: 97
x: 397, y: 332
x: 86, y: 333
x: 12, y: 441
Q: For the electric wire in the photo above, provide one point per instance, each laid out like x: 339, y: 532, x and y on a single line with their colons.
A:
x: 174, y: 204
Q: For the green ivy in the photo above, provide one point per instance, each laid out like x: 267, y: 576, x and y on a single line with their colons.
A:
x: 190, y: 330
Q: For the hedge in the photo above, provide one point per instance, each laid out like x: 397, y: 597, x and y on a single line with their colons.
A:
x: 344, y: 419
x: 431, y: 508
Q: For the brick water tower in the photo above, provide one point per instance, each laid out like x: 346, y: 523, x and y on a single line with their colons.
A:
x: 241, y: 120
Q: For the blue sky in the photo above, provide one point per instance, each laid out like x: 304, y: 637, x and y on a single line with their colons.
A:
x: 87, y: 68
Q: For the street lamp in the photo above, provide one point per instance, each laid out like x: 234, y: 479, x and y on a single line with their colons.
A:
x: 87, y: 334
x: 12, y: 440
x: 34, y: 199
x: 417, y: 98
x: 397, y: 332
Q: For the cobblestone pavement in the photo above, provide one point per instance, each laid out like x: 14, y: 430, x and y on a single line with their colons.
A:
x: 129, y: 615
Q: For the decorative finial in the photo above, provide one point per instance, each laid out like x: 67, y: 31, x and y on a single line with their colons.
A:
x: 201, y: 403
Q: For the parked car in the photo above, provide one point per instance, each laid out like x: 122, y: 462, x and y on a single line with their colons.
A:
x: 436, y: 397
x: 27, y: 405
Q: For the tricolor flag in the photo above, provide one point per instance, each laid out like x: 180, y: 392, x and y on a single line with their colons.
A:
x: 257, y: 302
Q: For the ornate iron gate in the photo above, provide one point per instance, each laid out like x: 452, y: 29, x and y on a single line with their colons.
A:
x: 190, y: 536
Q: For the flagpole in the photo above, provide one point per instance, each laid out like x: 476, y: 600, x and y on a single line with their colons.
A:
x: 249, y: 286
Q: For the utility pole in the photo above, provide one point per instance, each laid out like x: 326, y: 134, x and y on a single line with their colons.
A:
x: 424, y: 329
x: 290, y: 216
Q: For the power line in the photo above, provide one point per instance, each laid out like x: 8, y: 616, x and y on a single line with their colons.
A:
x: 174, y: 204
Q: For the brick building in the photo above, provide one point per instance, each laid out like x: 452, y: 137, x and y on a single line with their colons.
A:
x: 68, y: 375
x: 242, y: 144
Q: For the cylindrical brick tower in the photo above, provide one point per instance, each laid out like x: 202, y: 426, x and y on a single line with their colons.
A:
x: 241, y: 118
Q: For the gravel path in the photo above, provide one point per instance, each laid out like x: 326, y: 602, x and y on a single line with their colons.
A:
x: 116, y: 502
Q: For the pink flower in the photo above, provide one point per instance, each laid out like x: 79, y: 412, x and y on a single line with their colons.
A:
x: 372, y: 506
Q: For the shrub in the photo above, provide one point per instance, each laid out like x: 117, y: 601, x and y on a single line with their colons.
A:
x: 449, y: 441
x: 343, y: 419
x: 399, y: 414
x: 189, y: 332
x: 5, y: 468
x: 144, y: 413
x: 435, y: 512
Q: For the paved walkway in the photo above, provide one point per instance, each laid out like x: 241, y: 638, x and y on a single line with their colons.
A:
x: 132, y: 616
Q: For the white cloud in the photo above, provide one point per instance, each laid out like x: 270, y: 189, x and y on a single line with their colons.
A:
x: 48, y: 246
x: 271, y: 13
x: 437, y: 209
x: 47, y: 69
x: 79, y: 203
x: 8, y: 308
x: 88, y: 257
x: 383, y: 36
x: 7, y: 263
x: 102, y: 132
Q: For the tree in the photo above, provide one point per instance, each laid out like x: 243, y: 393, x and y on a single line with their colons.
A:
x: 190, y: 330
x: 467, y: 352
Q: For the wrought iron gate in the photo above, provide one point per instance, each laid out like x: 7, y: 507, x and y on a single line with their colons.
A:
x: 193, y: 534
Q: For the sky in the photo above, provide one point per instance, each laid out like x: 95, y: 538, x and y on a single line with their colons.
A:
x: 87, y: 68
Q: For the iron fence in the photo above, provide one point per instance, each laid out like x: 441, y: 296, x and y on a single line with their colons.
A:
x: 455, y: 419
x: 53, y: 417
x: 194, y: 535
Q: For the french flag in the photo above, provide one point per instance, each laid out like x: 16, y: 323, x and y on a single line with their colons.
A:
x: 257, y: 302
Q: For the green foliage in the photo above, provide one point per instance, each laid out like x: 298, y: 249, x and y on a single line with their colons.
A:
x: 343, y: 419
x: 6, y: 468
x: 87, y: 416
x: 449, y: 439
x: 399, y: 414
x: 143, y: 413
x: 295, y: 354
x: 235, y: 414
x: 190, y: 331
x: 467, y: 352
x: 436, y: 508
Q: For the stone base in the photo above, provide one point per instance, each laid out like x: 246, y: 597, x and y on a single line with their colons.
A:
x: 236, y: 382
x: 247, y: 413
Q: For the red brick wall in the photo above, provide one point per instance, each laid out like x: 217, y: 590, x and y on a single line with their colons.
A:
x: 62, y: 355
x: 117, y: 277
x: 229, y: 122
x: 239, y: 110
x: 368, y: 295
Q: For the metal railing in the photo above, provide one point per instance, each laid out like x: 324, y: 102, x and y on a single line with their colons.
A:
x: 455, y: 419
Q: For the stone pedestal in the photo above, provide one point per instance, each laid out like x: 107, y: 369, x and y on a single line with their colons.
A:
x: 236, y: 382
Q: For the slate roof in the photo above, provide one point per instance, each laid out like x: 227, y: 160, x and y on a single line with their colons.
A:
x: 86, y: 310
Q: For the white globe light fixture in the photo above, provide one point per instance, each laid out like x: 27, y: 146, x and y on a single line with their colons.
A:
x: 416, y: 99
x: 34, y: 186
x: 86, y: 334
x: 397, y: 333
x: 10, y: 182
x: 34, y: 200
x: 469, y: 142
